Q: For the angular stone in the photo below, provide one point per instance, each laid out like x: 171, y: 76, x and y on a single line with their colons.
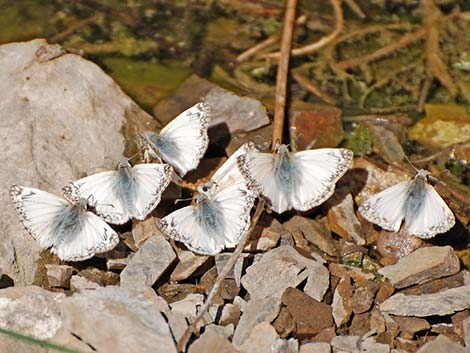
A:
x: 103, y: 278
x: 410, y: 325
x: 79, y: 283
x: 212, y: 342
x: 360, y: 324
x: 310, y: 316
x: 188, y: 263
x: 442, y: 344
x: 255, y: 312
x: 262, y: 339
x: 342, y: 218
x: 238, y: 113
x: 59, y: 275
x: 315, y: 125
x: 437, y: 285
x: 188, y: 306
x: 342, y: 301
x: 315, y: 232
x: 142, y: 230
x: 363, y: 297
x: 466, y: 331
x: 54, y: 112
x: 442, y: 303
x: 284, y: 323
x: 422, y: 265
x: 236, y: 271
x: 265, y: 236
x: 385, y: 291
x: 230, y: 315
x: 117, y: 264
x: 370, y: 346
x: 346, y: 343
x: 284, y: 267
x: 357, y: 274
x: 394, y: 246
x: 148, y: 264
x: 319, y: 347
x: 111, y: 318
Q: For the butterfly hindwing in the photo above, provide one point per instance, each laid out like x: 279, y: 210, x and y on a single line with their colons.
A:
x: 433, y: 216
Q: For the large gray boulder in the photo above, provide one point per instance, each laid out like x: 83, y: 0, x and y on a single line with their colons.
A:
x: 61, y: 117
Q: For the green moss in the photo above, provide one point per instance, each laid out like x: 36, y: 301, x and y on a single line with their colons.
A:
x: 146, y: 81
x: 360, y: 140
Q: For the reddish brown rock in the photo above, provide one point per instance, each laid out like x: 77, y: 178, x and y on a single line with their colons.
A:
x: 357, y: 274
x: 284, y: 323
x: 436, y: 285
x: 363, y: 297
x: 306, y: 313
x: 385, y: 291
x: 377, y: 321
x: 360, y: 324
x: 394, y: 246
x: 342, y: 218
x: 422, y: 265
x: 407, y: 345
x: 315, y: 125
x: 342, y: 301
x: 408, y: 326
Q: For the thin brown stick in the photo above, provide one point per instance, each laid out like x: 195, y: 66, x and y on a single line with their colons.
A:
x: 403, y: 42
x: 355, y: 8
x: 313, y: 47
x: 257, y: 48
x: 282, y: 69
x: 423, y: 94
x: 183, y: 341
x: 313, y: 88
x: 60, y: 37
x: 432, y: 15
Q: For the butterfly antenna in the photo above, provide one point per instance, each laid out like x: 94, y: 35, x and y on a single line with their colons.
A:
x: 411, y: 164
x: 180, y: 200
x: 135, y: 154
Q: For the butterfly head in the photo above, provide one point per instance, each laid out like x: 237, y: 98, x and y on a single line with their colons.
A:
x: 124, y: 164
x: 423, y: 174
x: 81, y: 203
x: 205, y: 190
x: 281, y: 149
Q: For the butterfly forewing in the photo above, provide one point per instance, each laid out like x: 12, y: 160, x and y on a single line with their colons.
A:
x: 183, y: 142
x: 72, y: 232
x: 387, y: 208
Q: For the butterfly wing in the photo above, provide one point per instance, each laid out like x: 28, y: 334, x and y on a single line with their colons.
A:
x: 37, y: 211
x: 387, y: 208
x: 91, y: 236
x: 315, y: 175
x: 102, y: 191
x: 184, y: 140
x: 258, y: 170
x: 432, y: 217
x: 183, y: 225
x: 150, y: 182
x: 228, y: 174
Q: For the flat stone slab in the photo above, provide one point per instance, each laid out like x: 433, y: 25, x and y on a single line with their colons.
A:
x: 422, y: 265
x: 284, y: 267
x: 441, y: 303
x: 148, y: 264
x: 442, y: 344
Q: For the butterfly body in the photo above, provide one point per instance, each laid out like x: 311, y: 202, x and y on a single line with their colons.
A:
x: 414, y: 203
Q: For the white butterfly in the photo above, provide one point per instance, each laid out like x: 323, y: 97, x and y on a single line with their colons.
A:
x: 424, y: 212
x: 182, y: 142
x: 221, y: 214
x: 129, y: 192
x: 72, y: 232
x: 300, y: 180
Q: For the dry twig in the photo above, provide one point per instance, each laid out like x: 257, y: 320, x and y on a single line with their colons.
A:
x: 313, y: 88
x: 322, y: 42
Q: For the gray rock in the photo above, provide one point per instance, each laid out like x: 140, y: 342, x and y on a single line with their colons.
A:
x: 442, y: 344
x: 59, y: 275
x: 346, y: 343
x: 230, y: 315
x: 263, y: 338
x: 441, y: 303
x: 188, y: 263
x: 189, y: 305
x: 284, y: 267
x: 255, y: 312
x: 236, y: 271
x: 342, y: 218
x: 422, y: 265
x: 62, y: 117
x: 148, y: 264
x: 318, y: 347
x: 116, y: 319
x: 239, y: 113
x: 79, y: 283
x: 210, y: 342
x: 466, y: 331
